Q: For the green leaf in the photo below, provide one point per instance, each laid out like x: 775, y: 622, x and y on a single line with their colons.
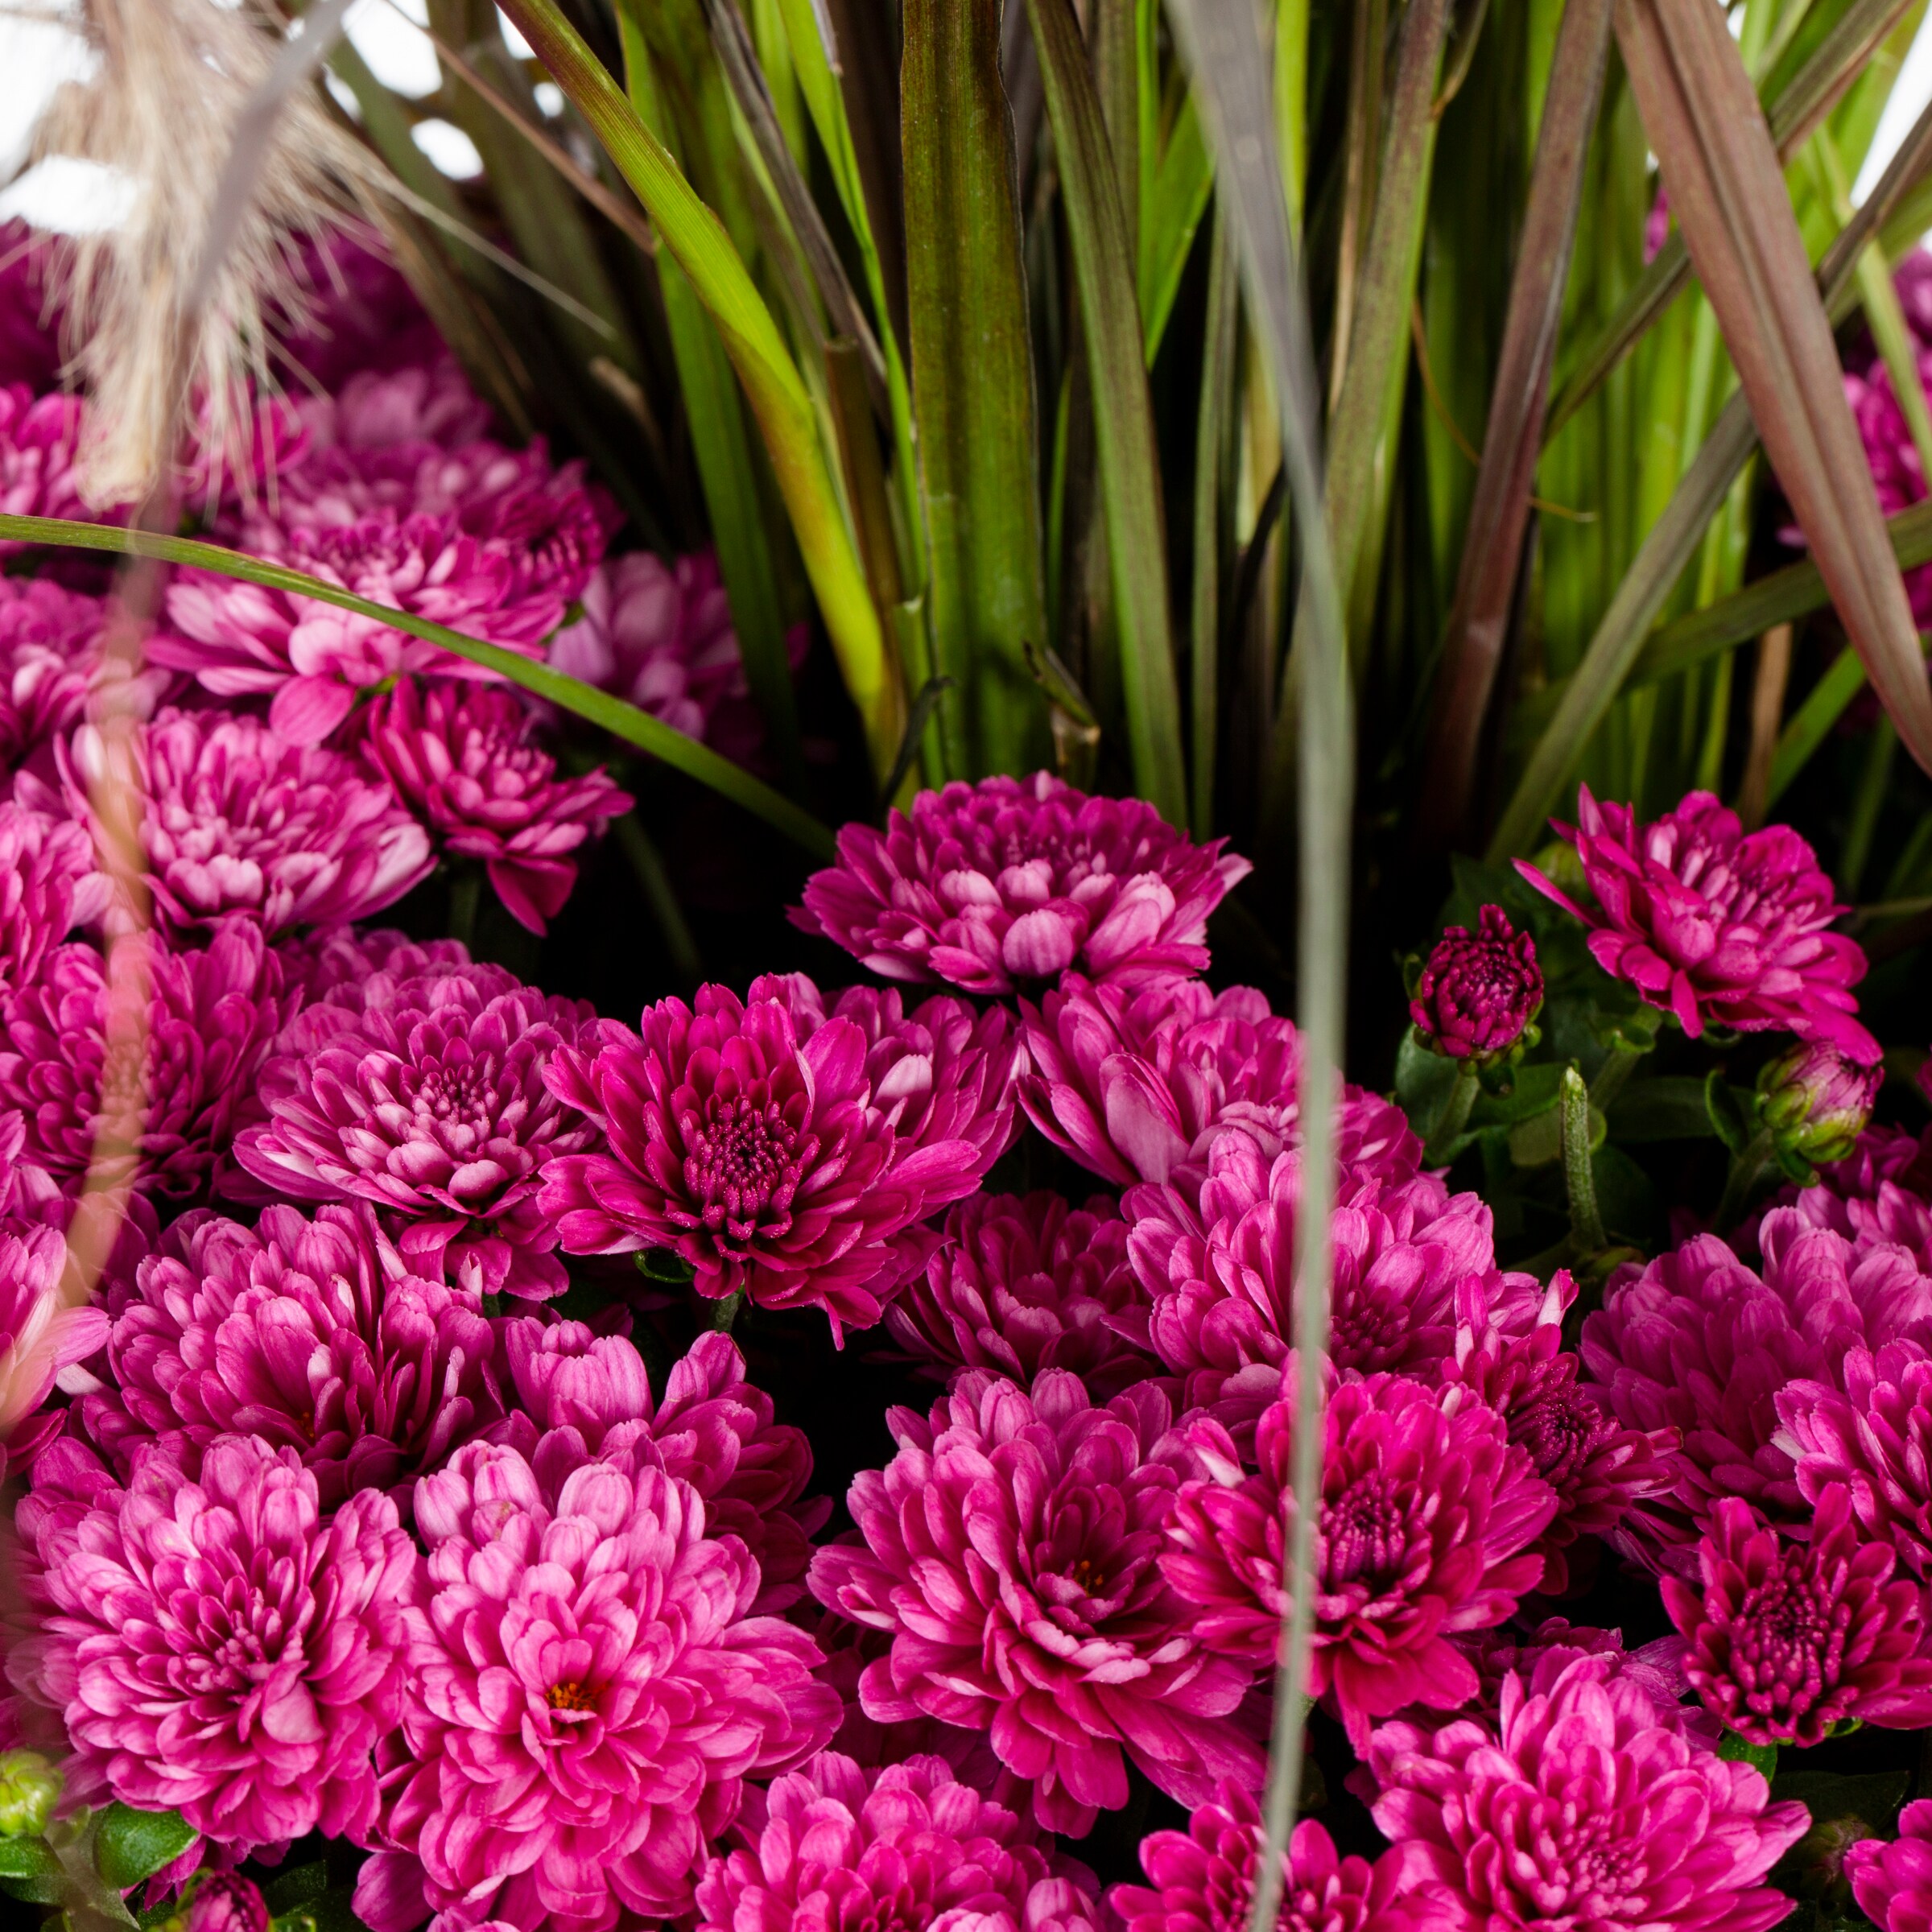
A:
x: 1422, y: 1080
x: 1873, y: 1796
x: 1740, y: 1751
x: 28, y: 1858
x: 1810, y: 724
x: 1530, y: 1090
x: 1182, y: 185
x: 131, y: 1845
x: 972, y: 384
x: 1128, y: 461
x: 1670, y: 1108
x: 1729, y: 1108
x: 289, y: 1889
x: 622, y: 720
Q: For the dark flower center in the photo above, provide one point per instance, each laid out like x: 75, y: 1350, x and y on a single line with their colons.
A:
x: 1364, y: 1531
x: 743, y: 1165
x: 1560, y: 1431
x: 1788, y: 1643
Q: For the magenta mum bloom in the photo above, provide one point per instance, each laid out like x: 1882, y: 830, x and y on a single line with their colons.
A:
x: 1893, y: 1880
x: 239, y: 821
x: 1135, y: 1083
x: 1716, y: 925
x: 459, y: 756
x: 312, y: 1336
x: 1584, y: 1805
x: 47, y: 885
x: 1011, y: 1550
x: 223, y: 1652
x: 50, y: 656
x: 1023, y: 1285
x: 40, y: 1335
x: 584, y: 1396
x: 587, y: 1695
x: 1014, y: 880
x: 430, y: 1103
x: 212, y: 1016
x: 1700, y: 1343
x: 1880, y: 1193
x: 1478, y: 990
x: 754, y: 1155
x: 221, y: 1901
x: 1429, y: 1518
x: 908, y: 1845
x: 1220, y: 1275
x: 1202, y: 1880
x: 39, y: 450
x: 1786, y: 1639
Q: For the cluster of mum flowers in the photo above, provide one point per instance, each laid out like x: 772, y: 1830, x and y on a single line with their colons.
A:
x: 333, y: 1512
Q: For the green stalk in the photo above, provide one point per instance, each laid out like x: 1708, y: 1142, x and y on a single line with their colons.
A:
x: 1211, y: 441
x: 1747, y: 1170
x: 622, y: 720
x: 1454, y: 1116
x: 1866, y: 803
x: 778, y: 396
x: 1580, y: 1178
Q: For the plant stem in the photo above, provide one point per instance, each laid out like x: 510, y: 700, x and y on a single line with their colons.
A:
x: 1586, y: 1219
x: 466, y: 896
x: 655, y: 883
x: 1615, y: 1073
x: 1741, y: 1182
x: 724, y: 1313
x: 1455, y: 1117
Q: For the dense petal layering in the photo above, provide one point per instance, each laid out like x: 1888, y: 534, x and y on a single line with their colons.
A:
x: 1714, y: 924
x: 48, y: 884
x: 1479, y: 990
x: 41, y: 1333
x: 1011, y: 1550
x: 1013, y: 880
x: 1893, y: 1880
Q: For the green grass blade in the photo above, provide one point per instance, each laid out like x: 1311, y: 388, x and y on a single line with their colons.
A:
x: 778, y: 396
x: 1808, y: 726
x: 1128, y: 463
x: 1182, y: 184
x: 621, y: 719
x: 1212, y: 445
x: 972, y: 385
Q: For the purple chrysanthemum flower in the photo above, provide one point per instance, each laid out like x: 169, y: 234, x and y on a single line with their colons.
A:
x: 429, y: 1101
x: 50, y: 660
x: 30, y: 348
x: 659, y: 636
x: 586, y: 1696
x: 1478, y: 990
x: 337, y: 964
x: 1024, y: 1284
x: 1657, y: 1670
x: 1880, y: 1194
x: 47, y: 885
x: 217, y: 1901
x: 908, y: 1845
x: 1013, y: 880
x: 1135, y: 1083
x: 1202, y: 1880
x: 1714, y: 924
x: 459, y: 756
x: 1428, y: 1520
x: 1892, y: 1879
x: 238, y: 820
x: 407, y: 404
x: 308, y: 1334
x: 1584, y: 1806
x: 756, y: 1155
x: 1220, y: 1274
x: 583, y: 1395
x: 1698, y: 1342
x: 221, y: 1651
x: 39, y: 450
x: 1011, y: 1550
x: 40, y: 1334
x: 212, y: 1016
x: 1785, y: 1639
x: 1600, y: 1469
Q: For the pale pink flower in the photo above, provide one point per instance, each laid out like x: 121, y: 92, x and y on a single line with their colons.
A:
x: 1893, y: 1880
x: 41, y: 1333
x: 39, y: 449
x: 48, y: 886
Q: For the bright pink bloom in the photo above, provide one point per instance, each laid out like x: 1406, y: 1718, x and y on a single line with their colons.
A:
x: 1870, y: 1428
x: 212, y: 1016
x: 239, y: 821
x: 1428, y: 1518
x: 582, y: 1396
x: 659, y: 636
x: 412, y: 403
x: 1012, y: 881
x: 47, y: 885
x: 1881, y: 1192
x: 40, y: 1334
x: 1136, y: 1083
x: 39, y: 447
x: 1893, y: 1880
x: 308, y: 1334
x: 906, y: 1846
x: 1698, y: 1342
x: 220, y: 1901
x: 756, y: 1155
x: 1598, y: 1469
x: 1716, y: 925
x: 587, y: 1695
x: 429, y: 1102
x: 221, y: 1651
x: 1656, y: 1669
x: 1585, y: 1805
x: 1011, y: 1550
x: 460, y: 757
x: 1024, y: 1284
x: 1219, y: 1276
x: 50, y: 658
x: 1202, y: 1880
x: 30, y: 349
x: 1478, y: 990
x: 338, y: 964
x: 1786, y: 1638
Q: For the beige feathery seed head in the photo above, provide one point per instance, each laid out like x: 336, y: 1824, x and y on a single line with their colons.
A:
x: 164, y: 110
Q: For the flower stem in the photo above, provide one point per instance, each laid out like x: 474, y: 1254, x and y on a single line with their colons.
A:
x: 1615, y: 1072
x: 1586, y: 1219
x: 1747, y: 1168
x: 466, y: 896
x: 1454, y: 1116
x: 725, y: 1313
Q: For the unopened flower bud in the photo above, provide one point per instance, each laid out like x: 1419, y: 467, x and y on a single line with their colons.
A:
x: 219, y: 1902
x: 1478, y: 991
x: 30, y: 1787
x: 1816, y: 1099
